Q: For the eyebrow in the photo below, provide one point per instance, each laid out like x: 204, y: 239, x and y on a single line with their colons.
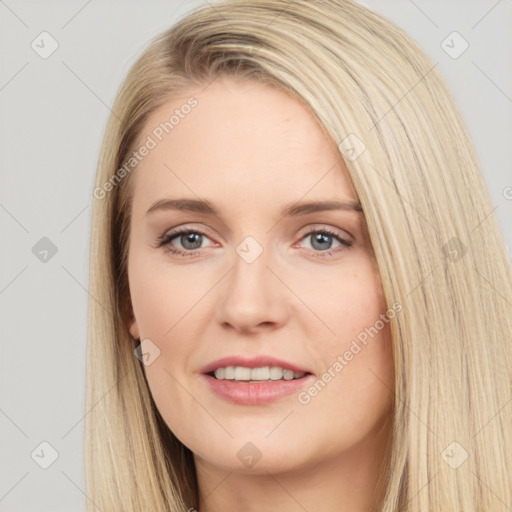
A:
x: 294, y: 209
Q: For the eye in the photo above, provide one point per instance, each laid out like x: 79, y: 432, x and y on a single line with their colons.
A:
x: 191, y: 241
x: 321, y: 241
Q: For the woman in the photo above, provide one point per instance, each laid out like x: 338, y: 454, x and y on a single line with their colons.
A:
x: 337, y: 334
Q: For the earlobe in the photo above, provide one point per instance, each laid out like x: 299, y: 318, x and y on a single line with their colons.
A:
x: 134, y: 329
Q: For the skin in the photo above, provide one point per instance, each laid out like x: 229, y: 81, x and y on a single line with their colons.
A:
x: 250, y: 149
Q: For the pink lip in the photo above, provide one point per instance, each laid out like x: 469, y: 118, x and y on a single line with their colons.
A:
x: 255, y: 393
x: 259, y: 393
x: 251, y: 362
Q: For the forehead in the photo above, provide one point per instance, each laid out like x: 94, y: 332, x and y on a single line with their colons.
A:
x: 242, y: 141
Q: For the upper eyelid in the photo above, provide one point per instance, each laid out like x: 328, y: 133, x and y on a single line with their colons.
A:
x: 173, y: 232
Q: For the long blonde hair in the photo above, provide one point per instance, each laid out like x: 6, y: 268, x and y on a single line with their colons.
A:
x: 439, y: 250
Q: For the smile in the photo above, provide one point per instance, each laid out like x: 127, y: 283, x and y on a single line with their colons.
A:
x: 256, y: 392
x: 263, y: 373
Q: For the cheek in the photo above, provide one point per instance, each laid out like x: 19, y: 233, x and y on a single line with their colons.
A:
x: 355, y: 391
x: 167, y: 309
x: 358, y: 360
x: 162, y: 297
x: 351, y: 300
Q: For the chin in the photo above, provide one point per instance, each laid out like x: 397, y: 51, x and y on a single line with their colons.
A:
x: 250, y: 460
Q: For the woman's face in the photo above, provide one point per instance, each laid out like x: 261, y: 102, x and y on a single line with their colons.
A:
x: 264, y: 277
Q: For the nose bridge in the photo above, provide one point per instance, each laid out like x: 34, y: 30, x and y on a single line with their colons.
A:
x: 250, y: 273
x: 250, y: 249
x: 253, y: 295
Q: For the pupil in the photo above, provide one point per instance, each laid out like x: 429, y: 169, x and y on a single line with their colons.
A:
x: 191, y: 238
x: 320, y: 238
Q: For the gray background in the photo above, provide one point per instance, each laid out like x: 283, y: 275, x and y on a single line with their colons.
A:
x: 52, y: 117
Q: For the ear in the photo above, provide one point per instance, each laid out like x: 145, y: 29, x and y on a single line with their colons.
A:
x: 134, y: 328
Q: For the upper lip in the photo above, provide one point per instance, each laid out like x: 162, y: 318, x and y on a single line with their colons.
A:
x: 251, y: 362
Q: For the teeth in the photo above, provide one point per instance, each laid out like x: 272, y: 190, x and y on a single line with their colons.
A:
x: 260, y: 373
x: 288, y: 374
x: 220, y: 373
x: 242, y: 373
x: 276, y: 373
x: 264, y: 373
x: 229, y: 372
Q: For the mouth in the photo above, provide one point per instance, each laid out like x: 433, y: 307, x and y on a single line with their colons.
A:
x: 256, y: 380
x: 238, y: 385
x: 263, y: 374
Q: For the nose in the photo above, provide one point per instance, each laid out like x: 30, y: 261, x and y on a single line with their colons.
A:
x: 253, y: 297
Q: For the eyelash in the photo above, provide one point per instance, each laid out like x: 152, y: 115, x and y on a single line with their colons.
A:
x: 165, y: 239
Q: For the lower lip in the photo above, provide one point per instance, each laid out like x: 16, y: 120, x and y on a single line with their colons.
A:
x: 258, y: 393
